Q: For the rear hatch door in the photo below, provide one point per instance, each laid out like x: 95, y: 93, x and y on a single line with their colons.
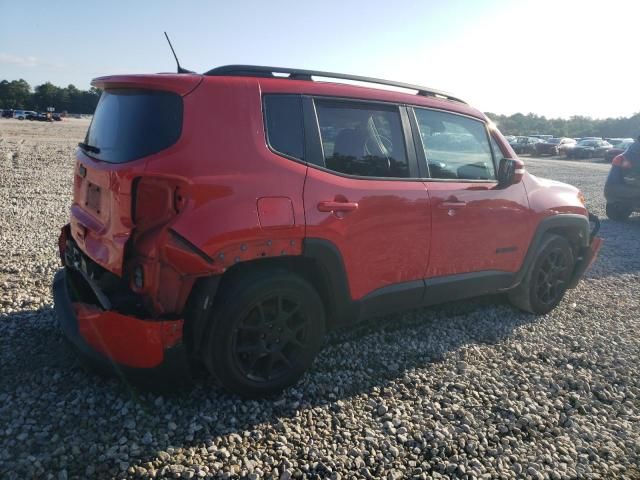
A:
x: 137, y: 118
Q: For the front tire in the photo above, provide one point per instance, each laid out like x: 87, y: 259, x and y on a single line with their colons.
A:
x: 618, y: 211
x: 266, y: 329
x: 546, y: 282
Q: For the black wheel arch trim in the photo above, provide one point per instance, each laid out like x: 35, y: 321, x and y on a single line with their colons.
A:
x: 197, y: 313
x: 340, y: 306
x: 579, y: 223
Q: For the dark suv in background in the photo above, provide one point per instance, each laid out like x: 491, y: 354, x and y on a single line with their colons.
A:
x: 524, y: 145
x: 589, y: 148
x: 553, y: 146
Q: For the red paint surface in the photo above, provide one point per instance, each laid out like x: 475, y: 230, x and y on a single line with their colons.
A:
x: 275, y: 212
x: 127, y: 340
x: 386, y: 240
x: 471, y: 221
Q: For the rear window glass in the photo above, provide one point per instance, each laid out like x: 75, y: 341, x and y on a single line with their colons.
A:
x: 284, y: 125
x: 130, y: 124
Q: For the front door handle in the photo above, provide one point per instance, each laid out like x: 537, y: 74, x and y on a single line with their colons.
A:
x: 449, y: 205
x: 329, y: 206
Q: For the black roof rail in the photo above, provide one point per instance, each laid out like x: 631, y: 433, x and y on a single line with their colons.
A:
x: 299, y: 74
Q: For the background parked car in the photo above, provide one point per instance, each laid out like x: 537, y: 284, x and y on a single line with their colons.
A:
x: 524, y: 145
x: 553, y: 146
x: 588, y: 148
x: 7, y: 113
x: 617, y: 141
x: 541, y: 137
x: 23, y: 114
x: 617, y: 150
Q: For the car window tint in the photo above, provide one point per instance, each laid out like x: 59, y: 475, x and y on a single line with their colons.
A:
x: 283, y: 120
x: 498, y: 155
x: 455, y: 147
x: 133, y: 123
x: 362, y: 139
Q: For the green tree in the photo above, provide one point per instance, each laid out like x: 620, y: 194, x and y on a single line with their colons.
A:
x: 15, y: 94
x: 576, y: 126
x: 46, y: 95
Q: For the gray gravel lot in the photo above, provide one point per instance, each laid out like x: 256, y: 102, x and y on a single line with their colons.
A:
x: 467, y: 390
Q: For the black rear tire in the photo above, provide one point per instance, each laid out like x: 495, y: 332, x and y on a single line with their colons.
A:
x: 546, y: 281
x: 618, y: 211
x: 265, y: 330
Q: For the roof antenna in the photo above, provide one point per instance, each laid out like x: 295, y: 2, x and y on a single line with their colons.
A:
x: 180, y: 69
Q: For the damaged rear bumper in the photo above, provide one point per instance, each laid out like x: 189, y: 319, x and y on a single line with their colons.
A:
x: 147, y: 352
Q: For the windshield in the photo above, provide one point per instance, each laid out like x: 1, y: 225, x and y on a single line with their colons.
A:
x: 129, y: 124
x: 587, y: 143
x: 554, y: 141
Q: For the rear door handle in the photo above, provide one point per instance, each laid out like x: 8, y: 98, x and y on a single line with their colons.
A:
x: 329, y: 206
x: 449, y: 205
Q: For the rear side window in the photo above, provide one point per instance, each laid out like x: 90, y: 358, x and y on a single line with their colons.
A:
x: 456, y: 147
x: 284, y: 125
x: 129, y: 124
x: 362, y: 139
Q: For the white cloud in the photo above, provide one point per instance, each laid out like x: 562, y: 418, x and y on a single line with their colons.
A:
x: 20, y: 61
x: 26, y: 61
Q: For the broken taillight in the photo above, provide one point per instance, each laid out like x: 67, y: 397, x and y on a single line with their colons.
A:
x: 620, y: 161
x: 156, y: 201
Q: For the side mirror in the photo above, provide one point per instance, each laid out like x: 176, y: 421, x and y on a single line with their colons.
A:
x: 510, y: 171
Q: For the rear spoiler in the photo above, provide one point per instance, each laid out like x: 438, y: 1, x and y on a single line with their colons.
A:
x: 182, y: 84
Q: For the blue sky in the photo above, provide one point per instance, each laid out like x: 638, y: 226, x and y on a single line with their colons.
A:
x: 556, y: 58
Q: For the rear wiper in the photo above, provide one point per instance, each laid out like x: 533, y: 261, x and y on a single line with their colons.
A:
x: 88, y: 148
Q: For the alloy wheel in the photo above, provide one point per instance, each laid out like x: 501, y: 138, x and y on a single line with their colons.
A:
x: 270, y: 338
x: 551, y: 277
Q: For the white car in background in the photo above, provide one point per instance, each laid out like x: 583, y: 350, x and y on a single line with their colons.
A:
x: 22, y: 114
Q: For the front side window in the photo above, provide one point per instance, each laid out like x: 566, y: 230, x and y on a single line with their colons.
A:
x: 455, y: 147
x: 362, y: 139
x: 284, y: 124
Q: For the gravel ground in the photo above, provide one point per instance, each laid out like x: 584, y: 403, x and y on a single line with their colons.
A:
x: 468, y: 390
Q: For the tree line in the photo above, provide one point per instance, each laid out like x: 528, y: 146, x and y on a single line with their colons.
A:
x: 18, y: 95
x: 574, y: 127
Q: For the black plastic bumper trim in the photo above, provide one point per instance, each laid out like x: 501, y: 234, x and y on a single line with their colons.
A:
x: 586, y: 253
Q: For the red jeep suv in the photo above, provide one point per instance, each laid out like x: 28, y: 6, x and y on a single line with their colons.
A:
x: 229, y: 219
